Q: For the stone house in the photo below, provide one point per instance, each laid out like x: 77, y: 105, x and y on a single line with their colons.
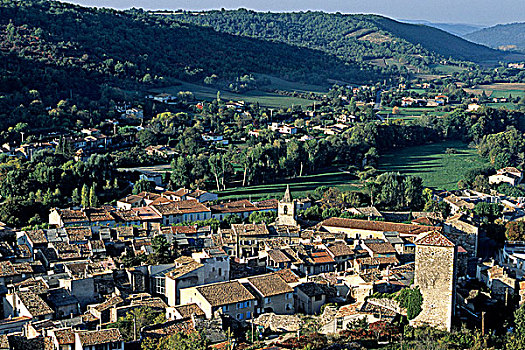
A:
x: 230, y: 298
x: 103, y: 339
x: 273, y: 294
x: 182, y: 211
x: 27, y: 303
x: 435, y: 275
x: 311, y: 296
x: 209, y: 266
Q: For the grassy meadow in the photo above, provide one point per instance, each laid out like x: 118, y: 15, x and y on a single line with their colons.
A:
x: 266, y: 99
x: 432, y: 164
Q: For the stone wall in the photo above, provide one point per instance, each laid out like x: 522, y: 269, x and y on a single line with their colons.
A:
x: 435, y: 274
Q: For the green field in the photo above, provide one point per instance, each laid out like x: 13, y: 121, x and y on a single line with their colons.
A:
x: 446, y: 69
x: 264, y: 98
x: 299, y: 186
x: 410, y: 113
x: 432, y: 164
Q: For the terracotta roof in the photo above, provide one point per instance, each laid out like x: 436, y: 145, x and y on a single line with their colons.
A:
x: 288, y: 276
x: 108, y: 304
x: 65, y: 336
x: 381, y: 226
x: 102, y: 336
x: 7, y: 269
x: 267, y: 204
x: 180, y: 207
x: 98, y: 214
x: 250, y: 229
x: 36, y: 236
x: 131, y: 199
x: 34, y: 303
x: 184, y: 269
x: 380, y: 247
x: 234, y: 207
x: 69, y: 216
x: 270, y: 284
x: 78, y: 233
x: 126, y: 215
x: 340, y: 249
x: 321, y: 257
x: 178, y: 193
x: 186, y: 311
x: 278, y: 256
x: 147, y: 213
x: 434, y: 238
x: 219, y: 294
x: 161, y: 200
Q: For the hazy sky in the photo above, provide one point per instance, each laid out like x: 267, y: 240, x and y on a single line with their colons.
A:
x: 486, y: 12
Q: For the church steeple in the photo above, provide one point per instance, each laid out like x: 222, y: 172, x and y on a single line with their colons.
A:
x: 287, y: 195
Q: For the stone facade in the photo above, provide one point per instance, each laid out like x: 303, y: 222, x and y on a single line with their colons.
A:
x: 286, y: 211
x: 435, y: 275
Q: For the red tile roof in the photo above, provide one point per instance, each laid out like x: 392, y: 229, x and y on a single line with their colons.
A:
x: 381, y: 226
x: 435, y: 238
x: 321, y: 258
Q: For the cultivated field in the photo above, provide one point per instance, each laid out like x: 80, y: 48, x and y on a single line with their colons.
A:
x: 432, y: 164
x: 499, y: 89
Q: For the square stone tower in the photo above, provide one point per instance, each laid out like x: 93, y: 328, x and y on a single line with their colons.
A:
x: 435, y: 275
x: 286, y: 210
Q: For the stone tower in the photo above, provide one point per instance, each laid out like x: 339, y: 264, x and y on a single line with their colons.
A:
x: 286, y: 211
x: 435, y: 275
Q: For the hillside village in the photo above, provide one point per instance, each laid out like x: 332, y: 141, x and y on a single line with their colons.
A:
x: 68, y: 285
x: 242, y: 180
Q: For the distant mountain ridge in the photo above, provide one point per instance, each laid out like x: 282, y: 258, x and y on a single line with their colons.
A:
x: 351, y: 37
x: 458, y: 29
x: 502, y: 36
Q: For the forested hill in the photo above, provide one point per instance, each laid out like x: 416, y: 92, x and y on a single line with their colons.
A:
x: 61, y: 49
x: 504, y: 36
x: 351, y: 37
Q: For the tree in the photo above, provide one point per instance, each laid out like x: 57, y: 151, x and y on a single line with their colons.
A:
x: 490, y: 211
x: 179, y: 341
x: 161, y: 250
x: 516, y: 340
x: 75, y: 197
x: 438, y: 207
x: 144, y: 316
x: 85, y: 196
x: 410, y: 299
x: 413, y: 192
x: 93, y: 200
x: 143, y: 185
x: 515, y: 231
x: 259, y: 217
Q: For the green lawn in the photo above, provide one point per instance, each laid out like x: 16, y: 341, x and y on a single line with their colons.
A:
x: 264, y: 98
x: 432, y: 164
x: 299, y: 186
